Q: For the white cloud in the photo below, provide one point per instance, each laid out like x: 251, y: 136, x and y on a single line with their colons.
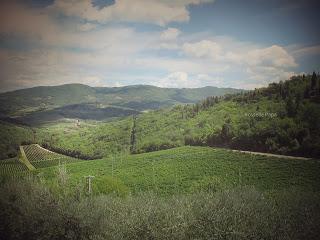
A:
x: 170, y: 34
x: 122, y: 55
x: 93, y: 81
x: 87, y: 27
x: 262, y: 76
x: 274, y: 55
x: 263, y: 64
x: 271, y: 56
x: 204, y: 48
x: 175, y: 80
x: 160, y: 12
x: 182, y: 79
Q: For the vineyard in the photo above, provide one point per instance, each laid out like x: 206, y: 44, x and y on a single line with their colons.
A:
x: 40, y: 157
x: 32, y: 157
x: 188, y: 169
x: 12, y: 167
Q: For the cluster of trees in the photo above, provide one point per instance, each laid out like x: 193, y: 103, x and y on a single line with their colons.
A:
x: 294, y: 131
x: 191, y: 110
x: 133, y: 136
x: 155, y: 146
x: 71, y: 153
x: 205, y: 104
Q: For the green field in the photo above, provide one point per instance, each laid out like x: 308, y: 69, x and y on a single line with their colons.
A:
x: 192, y: 169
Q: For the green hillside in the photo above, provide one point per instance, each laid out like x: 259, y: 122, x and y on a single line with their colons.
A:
x: 12, y: 136
x: 83, y: 111
x: 181, y: 193
x: 283, y: 118
x: 190, y: 169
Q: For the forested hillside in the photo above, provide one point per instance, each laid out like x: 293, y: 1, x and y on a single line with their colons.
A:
x: 282, y: 118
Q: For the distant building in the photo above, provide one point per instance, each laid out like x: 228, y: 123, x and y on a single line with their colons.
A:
x: 77, y: 123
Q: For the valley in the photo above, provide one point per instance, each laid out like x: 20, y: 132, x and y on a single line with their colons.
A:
x: 259, y: 148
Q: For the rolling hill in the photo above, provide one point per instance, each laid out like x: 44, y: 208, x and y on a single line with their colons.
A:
x: 282, y: 118
x: 137, y: 97
x: 187, y: 191
x: 189, y: 169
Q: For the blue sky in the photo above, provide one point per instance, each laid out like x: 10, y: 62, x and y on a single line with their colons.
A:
x: 167, y: 43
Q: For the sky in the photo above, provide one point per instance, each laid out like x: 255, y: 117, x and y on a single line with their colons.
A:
x: 166, y: 43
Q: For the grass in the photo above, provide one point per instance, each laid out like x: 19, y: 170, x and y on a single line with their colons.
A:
x: 188, y: 169
x: 91, y: 138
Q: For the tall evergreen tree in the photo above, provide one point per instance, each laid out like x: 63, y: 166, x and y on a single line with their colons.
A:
x: 314, y: 81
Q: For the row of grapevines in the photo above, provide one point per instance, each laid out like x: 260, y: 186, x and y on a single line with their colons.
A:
x: 11, y: 167
x: 40, y: 157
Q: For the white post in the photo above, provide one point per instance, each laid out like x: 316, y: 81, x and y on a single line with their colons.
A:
x: 88, y: 180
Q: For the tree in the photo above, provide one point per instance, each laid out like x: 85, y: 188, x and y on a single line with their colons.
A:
x: 314, y: 81
x: 290, y: 107
x: 297, y: 101
x: 307, y: 92
x: 226, y: 132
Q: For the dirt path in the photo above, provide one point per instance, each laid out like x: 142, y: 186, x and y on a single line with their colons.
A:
x: 273, y: 155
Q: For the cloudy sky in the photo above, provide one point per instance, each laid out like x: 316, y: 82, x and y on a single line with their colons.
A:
x: 167, y: 43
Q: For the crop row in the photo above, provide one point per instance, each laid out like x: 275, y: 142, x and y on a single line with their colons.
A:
x: 54, y: 162
x: 35, y: 153
x: 41, y: 158
x: 11, y: 167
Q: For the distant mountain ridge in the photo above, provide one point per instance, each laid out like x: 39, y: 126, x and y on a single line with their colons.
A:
x: 46, y: 99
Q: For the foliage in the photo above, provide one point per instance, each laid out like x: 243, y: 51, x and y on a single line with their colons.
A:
x: 109, y: 185
x: 11, y: 136
x: 240, y: 213
x: 282, y: 118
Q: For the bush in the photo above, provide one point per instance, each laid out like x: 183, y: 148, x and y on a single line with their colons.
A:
x: 29, y: 210
x: 109, y: 185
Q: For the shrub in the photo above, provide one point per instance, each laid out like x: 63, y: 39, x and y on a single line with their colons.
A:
x: 29, y: 210
x: 109, y: 185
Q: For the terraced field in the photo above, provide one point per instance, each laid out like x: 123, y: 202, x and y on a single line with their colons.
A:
x: 40, y: 157
x: 35, y: 157
x: 188, y: 169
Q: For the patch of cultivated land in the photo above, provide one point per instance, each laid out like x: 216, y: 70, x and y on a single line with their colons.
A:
x: 36, y: 157
x: 40, y: 157
x: 12, y: 167
x: 188, y: 169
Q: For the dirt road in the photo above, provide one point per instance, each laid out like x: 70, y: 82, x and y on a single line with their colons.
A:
x: 272, y: 155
